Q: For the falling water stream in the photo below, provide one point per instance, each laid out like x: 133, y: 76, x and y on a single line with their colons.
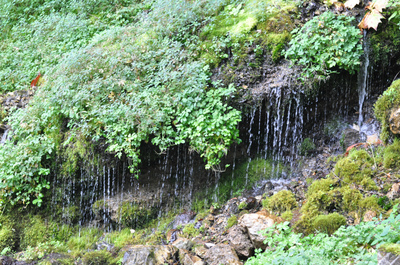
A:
x: 363, y: 79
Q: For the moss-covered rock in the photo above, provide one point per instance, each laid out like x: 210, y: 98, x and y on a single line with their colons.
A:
x: 383, y: 107
x: 281, y: 201
x: 328, y: 223
x: 101, y: 257
x: 391, y: 155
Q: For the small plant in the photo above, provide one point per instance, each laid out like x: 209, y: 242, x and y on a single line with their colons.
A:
x: 231, y: 222
x: 323, y: 44
x: 306, y: 147
x: 242, y: 205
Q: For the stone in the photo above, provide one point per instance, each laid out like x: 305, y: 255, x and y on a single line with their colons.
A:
x: 186, y: 258
x: 149, y: 255
x: 240, y: 241
x: 394, y: 121
x: 183, y: 243
x: 385, y: 258
x: 183, y: 219
x: 256, y: 222
x: 394, y: 192
x: 200, y: 251
x: 369, y: 215
x: 222, y: 254
x: 350, y: 136
x: 209, y: 245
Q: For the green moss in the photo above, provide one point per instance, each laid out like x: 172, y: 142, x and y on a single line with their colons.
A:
x: 231, y: 221
x: 390, y: 248
x: 328, y: 223
x: 282, y: 201
x: 383, y: 106
x: 134, y: 215
x: 84, y: 240
x: 7, y: 237
x: 245, y: 175
x: 356, y: 169
x: 242, y: 205
x: 306, y: 147
x: 189, y: 231
x: 288, y: 215
x: 391, y: 155
x: 370, y: 204
x: 97, y: 258
x: 36, y: 231
x: 350, y: 198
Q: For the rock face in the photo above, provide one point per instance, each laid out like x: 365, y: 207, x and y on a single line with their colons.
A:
x: 256, y: 222
x: 150, y: 255
x: 240, y: 241
x: 394, y: 121
x: 387, y: 258
x: 222, y: 254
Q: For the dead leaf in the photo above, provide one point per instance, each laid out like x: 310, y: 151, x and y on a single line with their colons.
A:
x: 35, y: 81
x: 379, y: 4
x: 372, y: 19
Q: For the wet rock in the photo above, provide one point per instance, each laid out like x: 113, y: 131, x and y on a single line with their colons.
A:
x: 231, y: 207
x: 256, y: 222
x: 240, y: 241
x: 222, y: 254
x: 200, y: 251
x: 394, y: 192
x: 104, y: 245
x: 183, y: 219
x: 183, y: 243
x: 172, y: 235
x: 394, y: 121
x: 387, y: 258
x: 186, y: 258
x: 149, y: 255
x: 349, y: 137
x: 251, y: 203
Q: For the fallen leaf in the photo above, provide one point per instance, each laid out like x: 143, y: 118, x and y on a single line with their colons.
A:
x: 379, y: 5
x: 34, y: 81
x: 372, y: 19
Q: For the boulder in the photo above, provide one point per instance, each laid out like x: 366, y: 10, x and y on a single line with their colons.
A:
x: 149, y: 255
x: 388, y: 254
x: 222, y: 254
x: 256, y: 222
x: 394, y: 121
x: 186, y: 258
x: 394, y: 192
x: 183, y: 243
x: 240, y: 241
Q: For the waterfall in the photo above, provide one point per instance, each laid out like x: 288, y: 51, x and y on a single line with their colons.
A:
x: 363, y: 79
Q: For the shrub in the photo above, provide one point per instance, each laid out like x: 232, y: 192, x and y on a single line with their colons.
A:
x: 324, y: 43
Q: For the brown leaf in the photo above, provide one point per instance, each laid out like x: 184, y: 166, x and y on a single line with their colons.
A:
x: 34, y: 81
x: 372, y: 19
x: 379, y: 4
x: 351, y: 3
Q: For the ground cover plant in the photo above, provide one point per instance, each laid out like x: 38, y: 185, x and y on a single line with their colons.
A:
x: 348, y: 245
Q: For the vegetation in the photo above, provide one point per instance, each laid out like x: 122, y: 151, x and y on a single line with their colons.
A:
x: 324, y: 44
x: 383, y: 106
x: 348, y: 245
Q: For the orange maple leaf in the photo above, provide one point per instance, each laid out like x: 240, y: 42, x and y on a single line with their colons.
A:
x: 34, y: 81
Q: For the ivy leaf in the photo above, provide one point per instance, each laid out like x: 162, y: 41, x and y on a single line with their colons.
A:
x: 372, y: 19
x: 351, y: 3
